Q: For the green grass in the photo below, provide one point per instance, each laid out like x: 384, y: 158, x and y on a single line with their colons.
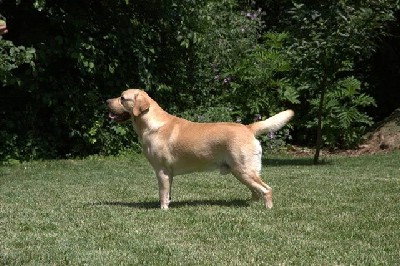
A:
x: 104, y: 211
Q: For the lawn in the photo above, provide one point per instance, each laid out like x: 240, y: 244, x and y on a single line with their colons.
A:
x: 104, y: 211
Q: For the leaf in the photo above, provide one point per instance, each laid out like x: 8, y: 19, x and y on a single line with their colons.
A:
x: 351, y: 86
x: 291, y: 95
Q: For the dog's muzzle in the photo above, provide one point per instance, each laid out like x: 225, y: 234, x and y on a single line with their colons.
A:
x: 117, y: 114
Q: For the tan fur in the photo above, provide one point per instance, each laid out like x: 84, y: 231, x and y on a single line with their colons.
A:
x: 176, y: 146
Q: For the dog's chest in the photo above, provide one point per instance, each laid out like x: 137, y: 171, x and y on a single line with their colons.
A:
x: 155, y: 149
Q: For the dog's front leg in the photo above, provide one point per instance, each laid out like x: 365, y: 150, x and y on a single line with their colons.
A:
x: 164, y: 187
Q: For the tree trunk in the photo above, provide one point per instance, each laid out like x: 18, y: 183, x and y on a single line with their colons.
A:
x: 318, y: 143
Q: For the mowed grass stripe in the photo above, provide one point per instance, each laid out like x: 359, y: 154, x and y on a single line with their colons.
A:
x: 104, y: 211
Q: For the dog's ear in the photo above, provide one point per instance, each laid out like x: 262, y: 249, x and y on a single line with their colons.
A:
x: 141, y: 105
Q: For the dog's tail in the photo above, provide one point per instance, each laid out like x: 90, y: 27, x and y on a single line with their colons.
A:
x: 271, y: 124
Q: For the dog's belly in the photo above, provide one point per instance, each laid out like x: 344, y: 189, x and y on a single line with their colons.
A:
x: 236, y: 158
x: 189, y: 163
x: 198, y: 165
x: 224, y: 169
x: 186, y: 161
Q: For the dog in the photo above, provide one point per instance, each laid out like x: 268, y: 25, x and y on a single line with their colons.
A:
x: 176, y: 146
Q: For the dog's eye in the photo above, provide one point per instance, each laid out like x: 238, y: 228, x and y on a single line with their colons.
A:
x: 122, y: 98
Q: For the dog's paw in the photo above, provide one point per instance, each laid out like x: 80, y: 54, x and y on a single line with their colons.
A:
x: 164, y: 207
x: 268, y: 200
x: 269, y: 205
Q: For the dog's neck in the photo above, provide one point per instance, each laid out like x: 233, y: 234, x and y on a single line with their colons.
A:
x: 150, y: 121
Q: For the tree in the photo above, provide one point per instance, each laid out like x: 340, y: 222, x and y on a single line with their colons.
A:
x: 328, y: 38
x: 238, y: 65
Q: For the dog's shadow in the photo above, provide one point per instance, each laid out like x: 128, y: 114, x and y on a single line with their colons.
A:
x: 238, y: 203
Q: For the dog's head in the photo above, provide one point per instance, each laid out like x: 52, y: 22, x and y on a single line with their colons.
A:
x: 131, y: 103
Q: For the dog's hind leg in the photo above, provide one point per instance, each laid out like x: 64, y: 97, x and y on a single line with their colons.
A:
x: 171, y: 178
x: 164, y: 187
x: 247, y: 169
x: 253, y: 181
x: 267, y: 196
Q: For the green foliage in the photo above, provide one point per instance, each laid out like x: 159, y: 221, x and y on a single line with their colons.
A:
x: 15, y: 146
x: 209, y: 114
x: 331, y: 36
x: 12, y: 57
x: 344, y: 122
x: 240, y: 66
x: 85, y: 53
x: 258, y: 82
x: 204, y: 60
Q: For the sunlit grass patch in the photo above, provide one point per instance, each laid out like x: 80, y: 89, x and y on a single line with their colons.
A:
x: 105, y: 211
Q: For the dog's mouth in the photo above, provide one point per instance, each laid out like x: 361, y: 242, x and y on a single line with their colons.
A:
x: 119, y: 117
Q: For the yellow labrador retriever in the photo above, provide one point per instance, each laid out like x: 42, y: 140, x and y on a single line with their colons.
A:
x: 175, y: 146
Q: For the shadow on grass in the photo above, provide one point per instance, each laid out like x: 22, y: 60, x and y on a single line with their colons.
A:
x: 179, y: 204
x: 293, y: 162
